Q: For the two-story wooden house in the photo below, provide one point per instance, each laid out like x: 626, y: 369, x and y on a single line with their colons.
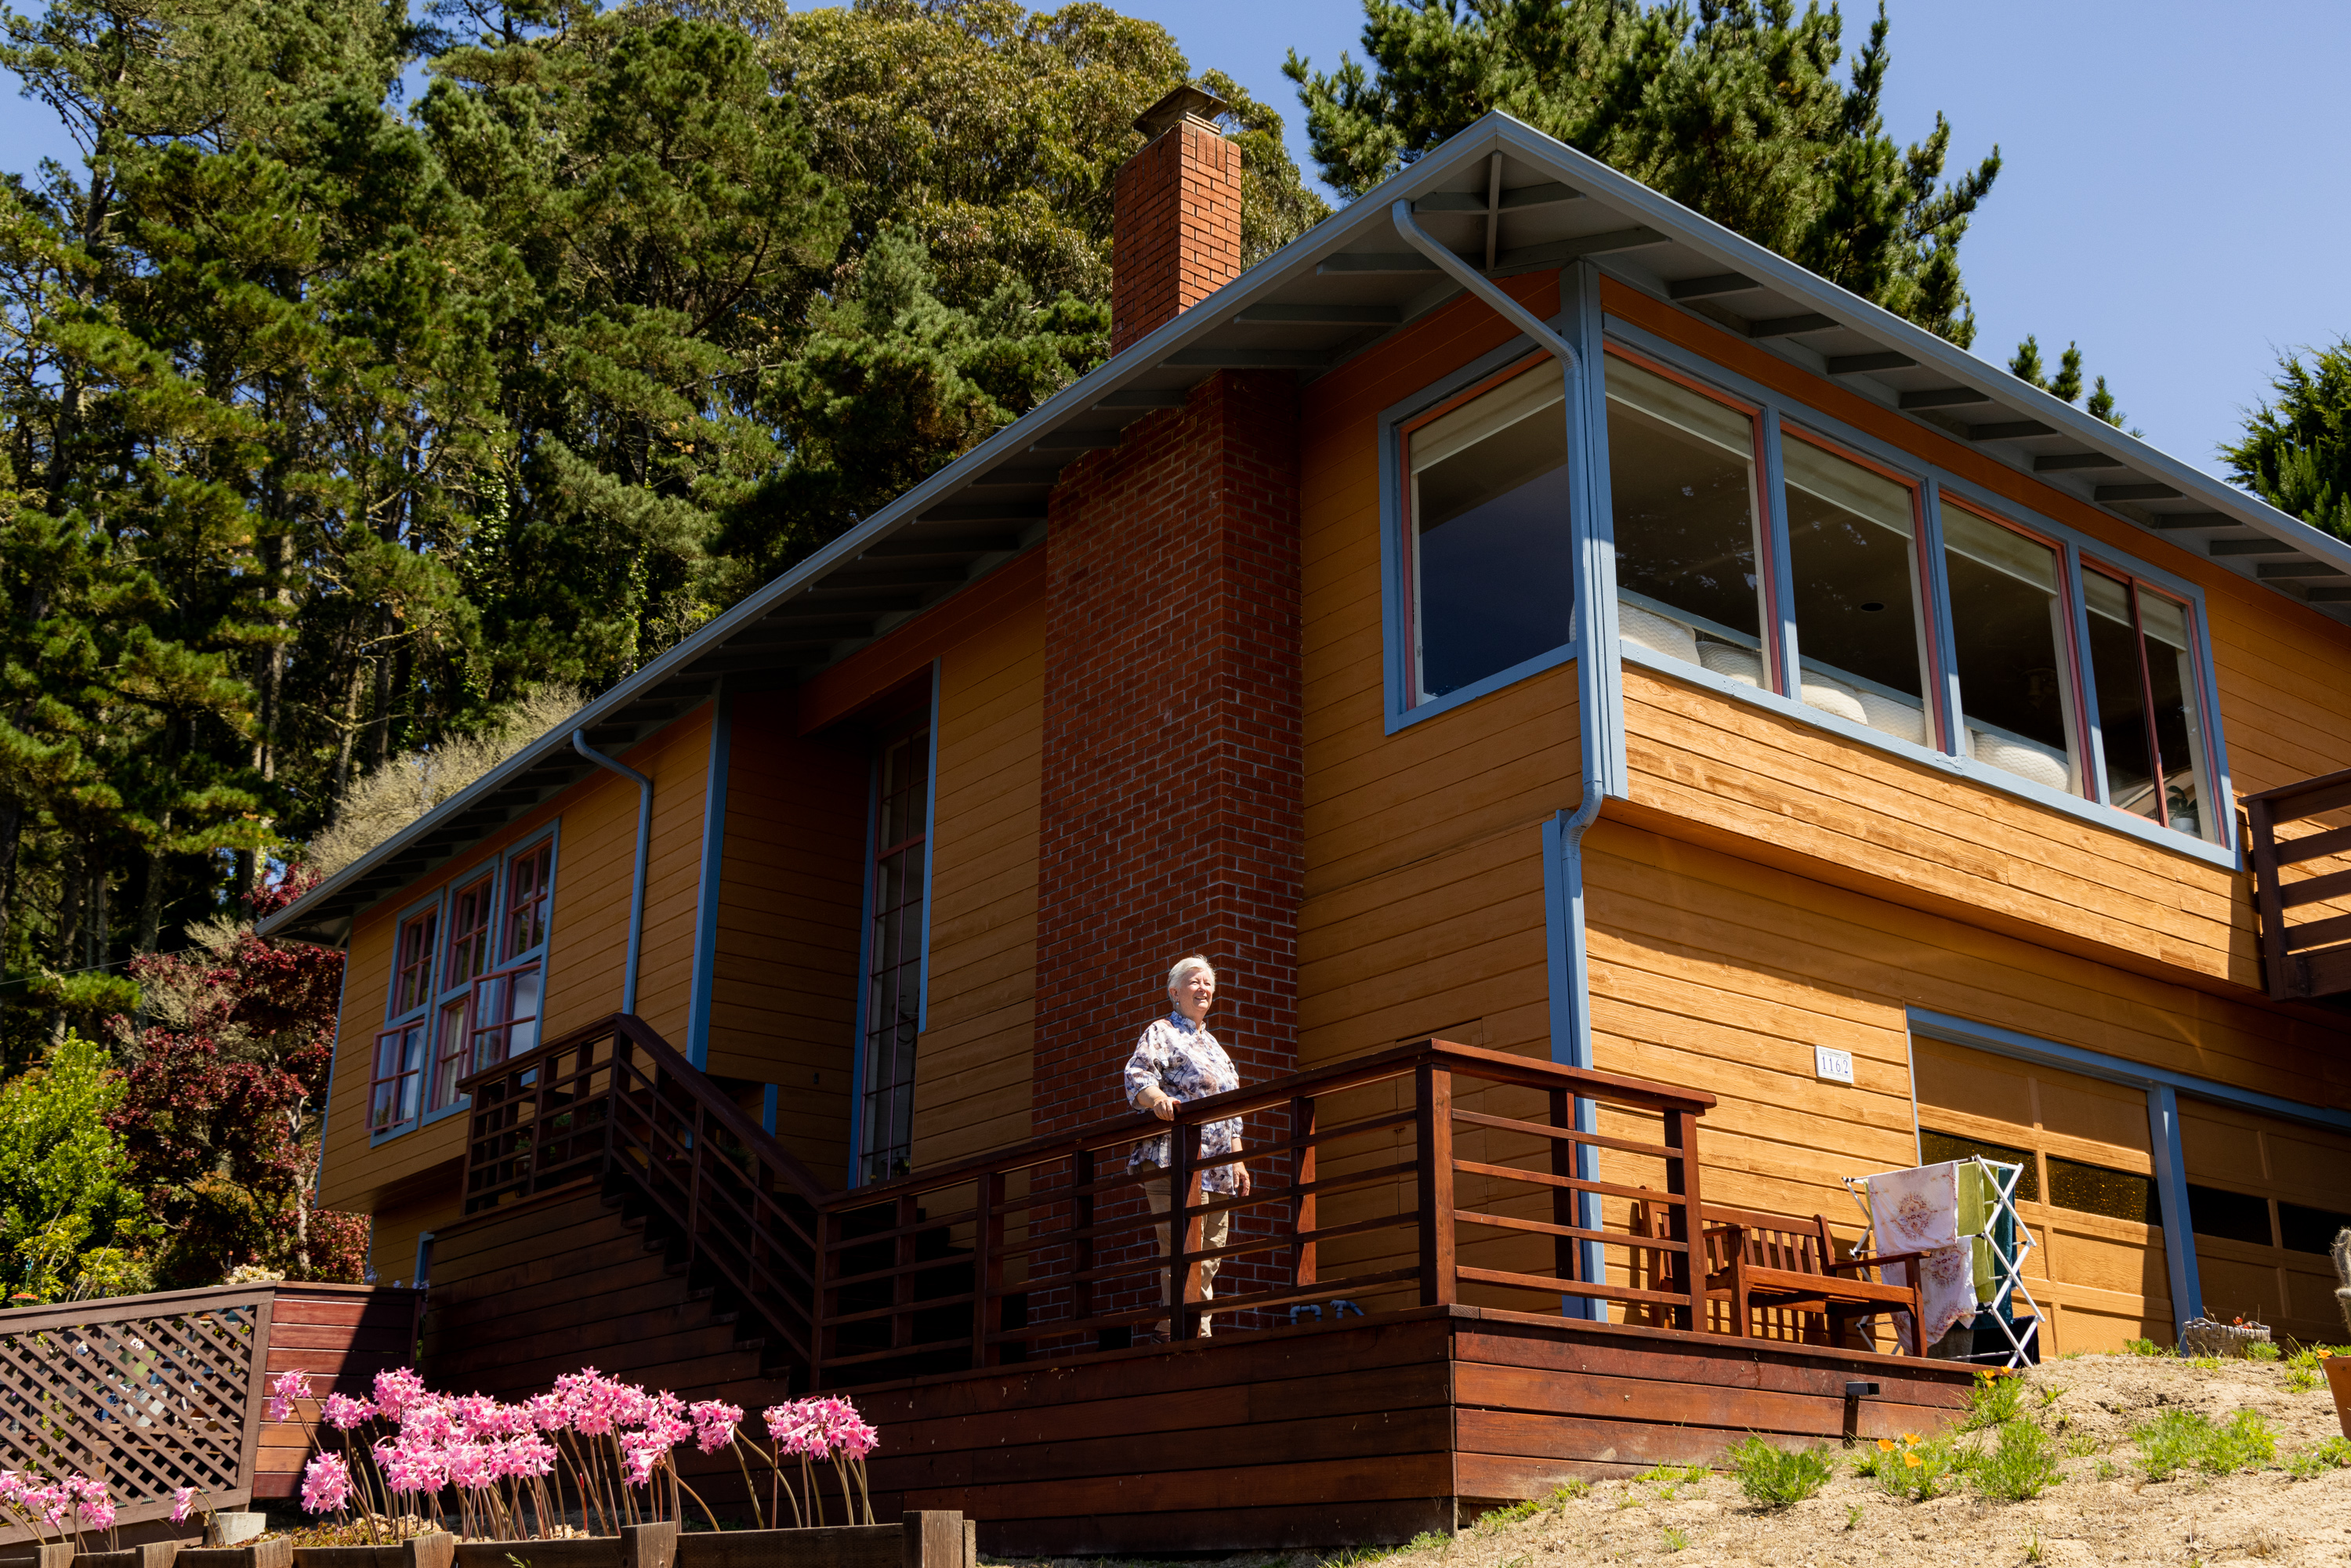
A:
x: 1772, y: 744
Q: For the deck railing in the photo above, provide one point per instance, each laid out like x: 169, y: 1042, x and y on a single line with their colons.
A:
x: 1426, y: 1174
x: 1389, y: 1182
x: 613, y: 1100
x: 2303, y: 956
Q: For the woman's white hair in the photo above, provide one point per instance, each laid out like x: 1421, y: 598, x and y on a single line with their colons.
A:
x: 1184, y: 967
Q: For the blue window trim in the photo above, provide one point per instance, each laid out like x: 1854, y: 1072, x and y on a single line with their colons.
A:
x: 2163, y: 1089
x: 496, y: 867
x: 865, y: 930
x: 1396, y: 667
x: 1933, y: 484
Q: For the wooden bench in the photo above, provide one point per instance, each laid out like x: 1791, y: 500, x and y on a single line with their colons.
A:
x: 1765, y: 1262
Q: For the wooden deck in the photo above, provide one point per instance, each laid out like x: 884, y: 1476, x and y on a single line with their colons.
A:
x: 1357, y: 1432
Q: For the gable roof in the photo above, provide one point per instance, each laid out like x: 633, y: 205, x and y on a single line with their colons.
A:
x: 1506, y: 198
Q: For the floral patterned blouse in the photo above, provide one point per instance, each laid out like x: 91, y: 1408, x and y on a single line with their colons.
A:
x: 1183, y: 1061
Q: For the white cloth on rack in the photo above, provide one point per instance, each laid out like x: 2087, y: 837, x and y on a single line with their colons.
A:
x: 1915, y: 1210
x: 1946, y: 1289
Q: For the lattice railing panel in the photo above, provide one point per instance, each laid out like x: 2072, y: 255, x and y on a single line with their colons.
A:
x: 149, y: 1394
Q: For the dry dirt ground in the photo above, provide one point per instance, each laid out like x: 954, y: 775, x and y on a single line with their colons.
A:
x: 2104, y: 1511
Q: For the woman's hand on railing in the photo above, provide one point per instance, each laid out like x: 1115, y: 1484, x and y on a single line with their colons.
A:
x: 1165, y: 1107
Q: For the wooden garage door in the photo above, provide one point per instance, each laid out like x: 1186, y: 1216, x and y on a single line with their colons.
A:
x: 2265, y: 1198
x: 2088, y: 1192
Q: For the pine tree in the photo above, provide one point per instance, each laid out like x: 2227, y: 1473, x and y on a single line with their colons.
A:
x: 2296, y: 451
x: 1734, y: 109
x: 2025, y: 365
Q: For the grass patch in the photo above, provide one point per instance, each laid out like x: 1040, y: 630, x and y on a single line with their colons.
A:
x: 2081, y: 1446
x: 2262, y: 1350
x: 1919, y: 1467
x: 2023, y: 1465
x: 1997, y: 1398
x: 2144, y: 1347
x: 1780, y: 1478
x: 1676, y: 1540
x: 2334, y: 1454
x: 2179, y: 1440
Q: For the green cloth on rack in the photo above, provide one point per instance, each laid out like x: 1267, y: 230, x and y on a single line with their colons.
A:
x: 1978, y: 1198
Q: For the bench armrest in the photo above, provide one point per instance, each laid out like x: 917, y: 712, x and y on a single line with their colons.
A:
x: 1874, y: 1260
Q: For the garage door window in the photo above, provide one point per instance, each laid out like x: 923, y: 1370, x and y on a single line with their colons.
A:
x: 2230, y: 1215
x: 2097, y: 1189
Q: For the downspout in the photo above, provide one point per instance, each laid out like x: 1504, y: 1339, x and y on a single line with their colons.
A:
x: 1571, y: 975
x: 644, y: 850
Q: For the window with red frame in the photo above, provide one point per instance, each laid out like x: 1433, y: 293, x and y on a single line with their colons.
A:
x: 502, y: 1020
x: 466, y: 956
x: 2143, y: 662
x: 396, y: 1073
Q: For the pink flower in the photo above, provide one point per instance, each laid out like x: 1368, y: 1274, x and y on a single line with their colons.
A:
x: 410, y: 1467
x: 714, y: 1424
x: 845, y: 1431
x: 278, y: 1408
x: 97, y: 1514
x: 530, y: 1455
x: 641, y: 1456
x: 472, y: 1466
x: 184, y: 1503
x: 396, y: 1388
x: 547, y: 1412
x: 292, y: 1385
x: 342, y: 1413
x: 326, y: 1484
x: 477, y: 1414
x: 429, y: 1420
x: 51, y: 1502
x: 13, y: 1487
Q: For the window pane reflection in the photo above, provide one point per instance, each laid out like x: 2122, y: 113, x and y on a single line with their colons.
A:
x: 1681, y: 476
x: 1850, y: 568
x: 1493, y: 557
x: 2009, y: 629
x: 2148, y: 725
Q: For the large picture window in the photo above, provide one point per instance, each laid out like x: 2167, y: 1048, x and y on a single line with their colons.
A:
x: 1851, y: 572
x: 1492, y: 569
x: 1681, y: 466
x: 2008, y: 625
x: 894, y: 990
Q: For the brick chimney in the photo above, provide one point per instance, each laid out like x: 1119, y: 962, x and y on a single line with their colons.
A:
x: 1175, y: 225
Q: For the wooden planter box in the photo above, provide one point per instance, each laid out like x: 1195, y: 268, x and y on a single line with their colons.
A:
x: 637, y: 1546
x: 277, y: 1552
x: 433, y: 1550
x: 153, y: 1554
x: 921, y: 1539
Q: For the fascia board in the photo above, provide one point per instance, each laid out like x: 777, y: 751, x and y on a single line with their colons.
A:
x: 1297, y: 259
x: 1735, y: 253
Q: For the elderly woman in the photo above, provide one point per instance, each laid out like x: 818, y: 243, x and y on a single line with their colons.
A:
x: 1178, y: 1060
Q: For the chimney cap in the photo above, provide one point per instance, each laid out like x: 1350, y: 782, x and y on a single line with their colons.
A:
x: 1188, y: 101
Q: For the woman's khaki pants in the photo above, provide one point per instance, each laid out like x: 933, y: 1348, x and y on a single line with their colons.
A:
x: 1215, y: 1231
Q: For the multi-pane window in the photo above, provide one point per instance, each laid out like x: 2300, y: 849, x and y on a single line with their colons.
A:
x: 503, y: 1014
x: 1852, y: 575
x: 894, y: 990
x: 1492, y: 575
x: 2009, y: 626
x: 397, y: 1072
x: 465, y: 958
x: 1682, y: 466
x: 2142, y: 664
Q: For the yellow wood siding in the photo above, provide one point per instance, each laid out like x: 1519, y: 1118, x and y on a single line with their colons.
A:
x: 587, y: 943
x: 973, y: 1065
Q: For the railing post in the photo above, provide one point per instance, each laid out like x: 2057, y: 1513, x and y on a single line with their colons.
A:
x: 902, y: 1283
x: 1301, y: 1207
x: 1082, y: 1225
x: 827, y: 1227
x: 694, y: 1186
x: 2278, y: 963
x: 1566, y: 1254
x: 1433, y: 1096
x: 1183, y: 1237
x: 987, y: 1267
x: 1689, y: 1224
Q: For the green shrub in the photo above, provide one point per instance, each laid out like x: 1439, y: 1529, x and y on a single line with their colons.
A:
x: 1675, y: 1538
x: 2023, y: 1464
x: 1997, y: 1398
x: 2300, y: 1380
x: 2262, y: 1350
x: 1779, y: 1478
x: 2177, y: 1440
x: 2144, y: 1347
x: 2332, y: 1455
x: 1919, y: 1469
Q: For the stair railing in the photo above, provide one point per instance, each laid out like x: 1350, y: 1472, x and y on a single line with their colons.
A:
x: 613, y: 1100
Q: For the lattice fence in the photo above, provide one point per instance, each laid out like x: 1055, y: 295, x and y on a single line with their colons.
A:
x: 147, y: 1393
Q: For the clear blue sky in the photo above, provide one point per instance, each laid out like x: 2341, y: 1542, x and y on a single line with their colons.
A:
x: 2175, y: 196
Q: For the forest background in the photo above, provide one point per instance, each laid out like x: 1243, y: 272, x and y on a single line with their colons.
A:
x: 348, y: 437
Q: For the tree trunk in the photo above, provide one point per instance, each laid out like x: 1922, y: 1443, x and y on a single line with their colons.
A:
x: 11, y: 835
x: 151, y: 901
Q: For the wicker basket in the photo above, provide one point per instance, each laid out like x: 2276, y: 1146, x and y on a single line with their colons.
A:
x: 2203, y: 1337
